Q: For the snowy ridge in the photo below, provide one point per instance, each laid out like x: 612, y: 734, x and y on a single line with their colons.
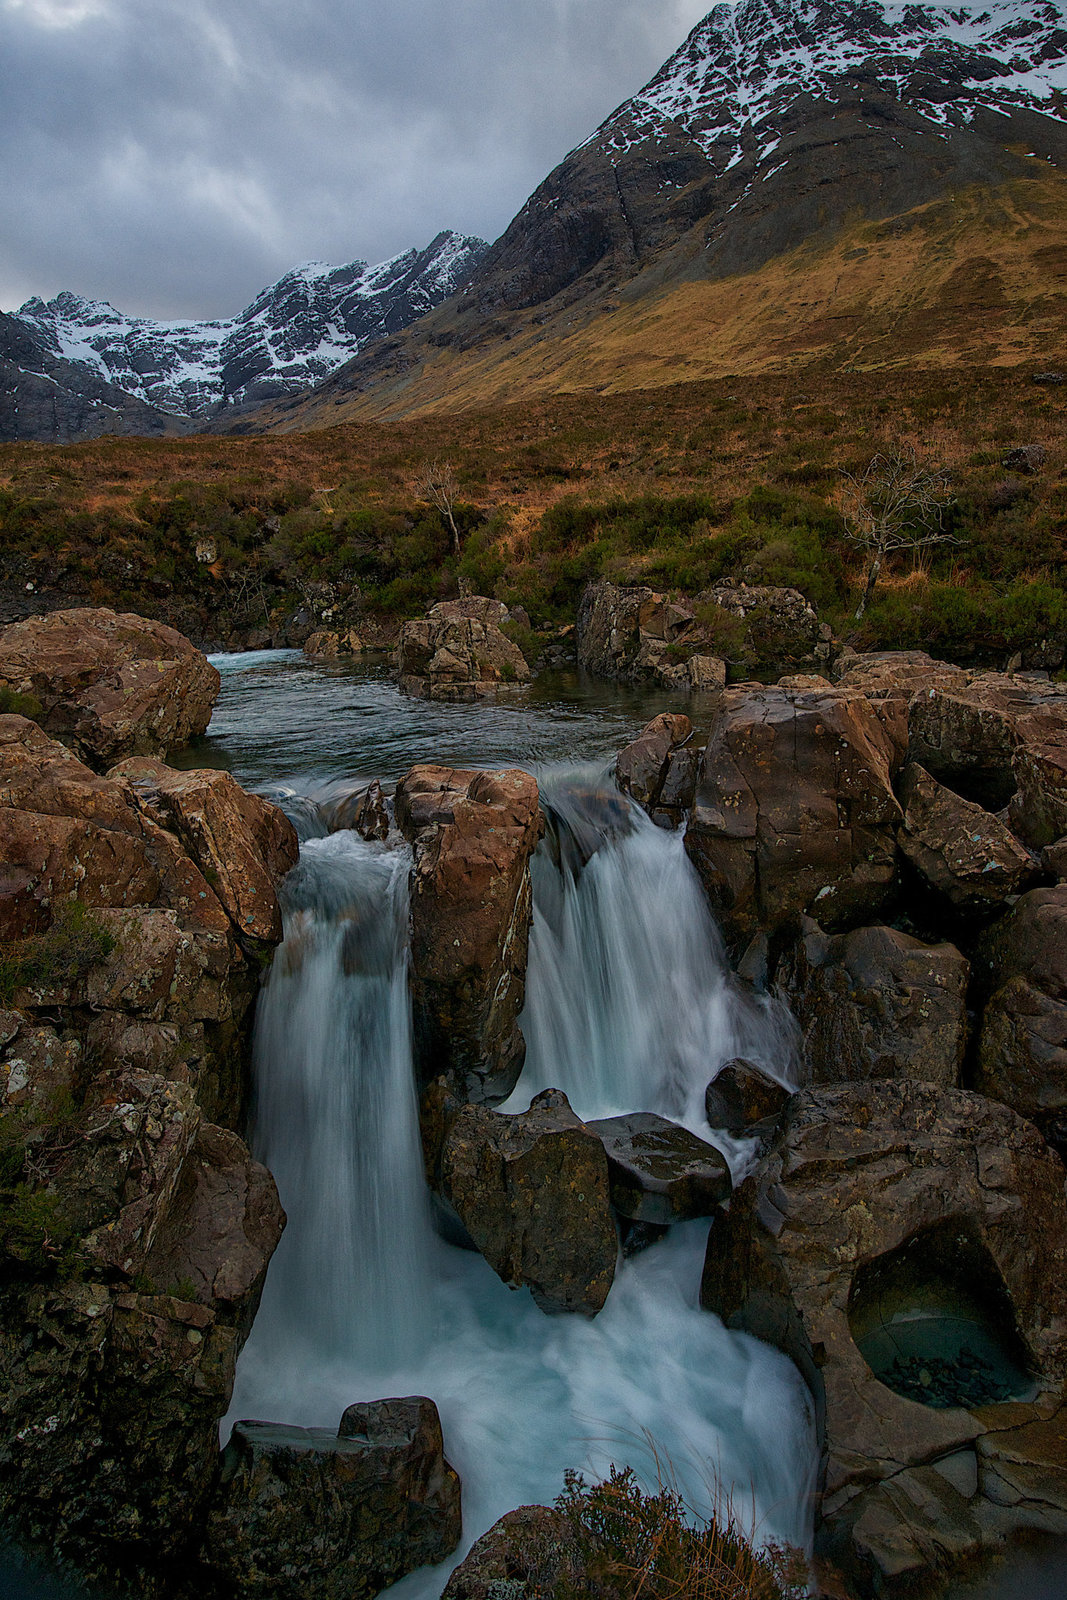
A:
x: 743, y: 66
x: 294, y: 333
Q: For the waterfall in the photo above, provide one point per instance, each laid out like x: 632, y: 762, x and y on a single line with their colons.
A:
x: 630, y: 1007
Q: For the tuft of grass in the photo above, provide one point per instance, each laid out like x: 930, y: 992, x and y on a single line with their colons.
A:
x: 632, y: 1543
x: 75, y: 943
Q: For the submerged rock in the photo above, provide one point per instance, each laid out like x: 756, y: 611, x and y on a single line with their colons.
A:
x: 302, y: 1511
x: 473, y: 834
x: 108, y: 684
x: 532, y: 1192
x: 661, y: 1173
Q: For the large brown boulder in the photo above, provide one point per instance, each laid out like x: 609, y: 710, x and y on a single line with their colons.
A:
x: 108, y: 684
x: 1022, y: 1045
x: 877, y: 1003
x: 473, y: 834
x: 243, y: 845
x: 907, y: 1246
x: 649, y: 764
x: 660, y: 1172
x: 456, y: 658
x: 302, y: 1511
x: 532, y: 1192
x: 962, y: 850
x: 794, y: 809
x: 1039, y: 805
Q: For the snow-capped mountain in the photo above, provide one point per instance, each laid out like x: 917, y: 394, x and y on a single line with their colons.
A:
x: 296, y: 332
x: 778, y: 125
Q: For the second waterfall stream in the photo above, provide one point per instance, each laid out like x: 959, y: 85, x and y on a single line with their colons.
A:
x: 630, y: 1007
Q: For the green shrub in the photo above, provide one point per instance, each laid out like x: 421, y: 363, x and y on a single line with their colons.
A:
x: 75, y: 943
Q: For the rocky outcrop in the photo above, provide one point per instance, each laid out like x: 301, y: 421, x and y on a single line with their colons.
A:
x: 658, y: 769
x: 894, y: 674
x: 107, y: 684
x: 457, y: 658
x: 661, y: 1173
x: 330, y: 645
x: 877, y: 1003
x: 473, y: 834
x: 1022, y: 1045
x: 780, y: 627
x: 962, y: 851
x: 967, y: 735
x: 530, y: 1554
x: 1039, y: 806
x: 303, y: 1510
x: 878, y: 1199
x: 532, y: 1192
x: 794, y: 809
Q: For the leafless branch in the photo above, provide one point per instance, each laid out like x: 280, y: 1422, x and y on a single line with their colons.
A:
x: 437, y: 484
x: 895, y: 504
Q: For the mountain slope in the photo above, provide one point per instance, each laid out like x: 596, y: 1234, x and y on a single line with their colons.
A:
x: 138, y: 373
x: 779, y: 126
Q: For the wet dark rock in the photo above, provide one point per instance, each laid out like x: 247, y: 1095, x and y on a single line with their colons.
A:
x: 473, y: 834
x: 524, y: 1556
x: 302, y: 1510
x: 962, y: 850
x: 643, y: 767
x: 1022, y: 1043
x: 794, y: 809
x: 108, y: 684
x: 532, y: 1191
x: 877, y: 1197
x: 741, y: 1100
x: 877, y: 1003
x: 660, y: 1172
x: 371, y: 820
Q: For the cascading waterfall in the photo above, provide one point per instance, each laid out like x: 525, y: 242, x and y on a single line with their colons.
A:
x: 629, y: 1008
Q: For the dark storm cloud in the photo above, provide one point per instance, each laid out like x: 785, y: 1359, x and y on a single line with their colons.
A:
x: 174, y: 156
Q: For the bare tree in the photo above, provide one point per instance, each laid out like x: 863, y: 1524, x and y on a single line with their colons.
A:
x: 896, y: 504
x: 438, y: 485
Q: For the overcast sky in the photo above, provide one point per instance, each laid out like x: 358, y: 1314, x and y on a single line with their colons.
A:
x: 176, y: 156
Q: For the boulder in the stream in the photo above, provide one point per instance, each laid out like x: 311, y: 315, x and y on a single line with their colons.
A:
x: 906, y: 1245
x: 108, y: 684
x: 794, y: 809
x: 877, y: 1003
x: 1022, y: 1043
x: 660, y: 1172
x: 742, y: 1100
x: 473, y: 834
x: 658, y: 769
x: 532, y: 1191
x: 303, y: 1511
x: 457, y: 659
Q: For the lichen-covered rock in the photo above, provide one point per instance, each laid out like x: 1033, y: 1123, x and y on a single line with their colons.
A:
x: 109, y: 684
x: 781, y: 627
x: 301, y: 1511
x: 330, y: 645
x: 473, y: 834
x: 962, y: 850
x: 530, y: 1554
x: 794, y: 809
x: 967, y: 735
x: 243, y: 845
x: 894, y: 674
x: 659, y: 1172
x: 877, y: 1199
x: 1022, y: 1044
x: 1039, y: 805
x: 877, y: 1003
x: 532, y: 1192
x: 456, y: 658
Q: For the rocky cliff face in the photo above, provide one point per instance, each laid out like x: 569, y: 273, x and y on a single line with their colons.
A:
x: 73, y: 368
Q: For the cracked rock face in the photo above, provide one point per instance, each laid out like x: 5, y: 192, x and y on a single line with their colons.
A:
x: 892, y: 1182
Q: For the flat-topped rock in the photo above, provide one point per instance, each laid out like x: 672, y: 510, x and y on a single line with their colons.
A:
x: 108, y: 684
x: 660, y: 1172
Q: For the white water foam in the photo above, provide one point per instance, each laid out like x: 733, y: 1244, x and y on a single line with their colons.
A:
x: 363, y: 1301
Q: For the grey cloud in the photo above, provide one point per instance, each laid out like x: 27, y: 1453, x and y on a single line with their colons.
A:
x: 174, y: 156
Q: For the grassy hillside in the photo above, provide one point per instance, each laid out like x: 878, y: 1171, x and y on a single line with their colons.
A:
x: 678, y: 486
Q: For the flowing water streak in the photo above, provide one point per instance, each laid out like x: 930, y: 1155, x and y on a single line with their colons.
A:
x: 363, y: 1302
